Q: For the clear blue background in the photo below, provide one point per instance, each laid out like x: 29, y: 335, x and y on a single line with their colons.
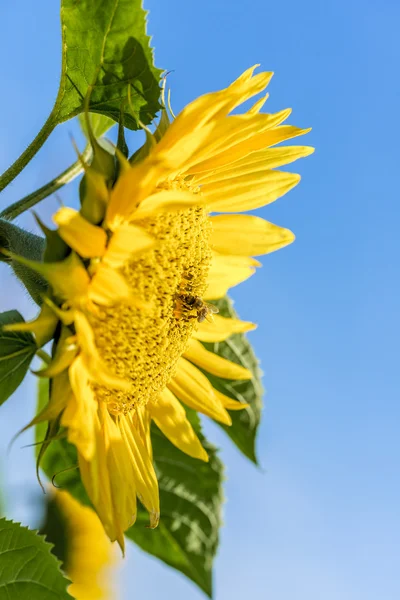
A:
x: 320, y: 521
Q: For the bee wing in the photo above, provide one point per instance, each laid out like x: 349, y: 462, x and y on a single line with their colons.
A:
x: 213, y: 309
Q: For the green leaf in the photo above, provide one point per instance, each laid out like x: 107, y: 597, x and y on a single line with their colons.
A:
x: 17, y: 349
x: 29, y: 571
x: 237, y: 348
x: 191, y: 499
x: 106, y: 51
x: 21, y: 242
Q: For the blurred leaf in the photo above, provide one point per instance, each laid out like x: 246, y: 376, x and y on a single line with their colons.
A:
x: 29, y: 571
x: 191, y: 498
x: 17, y: 349
x: 237, y: 348
x: 26, y: 244
x: 54, y: 529
x: 106, y: 51
x: 99, y: 123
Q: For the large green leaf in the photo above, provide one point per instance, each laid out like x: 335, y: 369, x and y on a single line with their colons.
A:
x: 237, y: 348
x: 26, y: 244
x: 191, y: 498
x: 16, y: 352
x: 28, y: 569
x: 106, y: 51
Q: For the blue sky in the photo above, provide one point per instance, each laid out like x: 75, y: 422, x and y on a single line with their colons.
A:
x: 320, y: 520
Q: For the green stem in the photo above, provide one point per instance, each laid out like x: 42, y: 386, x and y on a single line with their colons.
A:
x: 29, y: 153
x: 14, y: 210
x: 44, y: 356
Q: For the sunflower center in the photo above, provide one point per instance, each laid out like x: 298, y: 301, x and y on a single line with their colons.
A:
x: 144, y: 345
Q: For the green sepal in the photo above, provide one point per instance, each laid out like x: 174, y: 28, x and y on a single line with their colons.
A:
x: 162, y: 126
x: 28, y: 245
x: 56, y: 249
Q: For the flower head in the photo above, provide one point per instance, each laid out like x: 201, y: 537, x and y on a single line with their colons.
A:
x: 132, y: 294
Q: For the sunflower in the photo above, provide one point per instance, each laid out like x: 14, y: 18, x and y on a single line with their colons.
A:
x: 89, y: 554
x: 144, y: 257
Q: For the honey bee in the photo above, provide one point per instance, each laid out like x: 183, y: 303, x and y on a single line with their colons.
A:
x: 204, y: 310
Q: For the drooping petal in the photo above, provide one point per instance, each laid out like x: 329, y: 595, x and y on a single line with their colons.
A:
x: 248, y: 192
x: 170, y: 416
x: 248, y: 235
x: 145, y: 477
x: 86, y: 239
x: 96, y: 479
x: 214, y: 364
x: 194, y: 389
x: 221, y: 329
x: 80, y: 413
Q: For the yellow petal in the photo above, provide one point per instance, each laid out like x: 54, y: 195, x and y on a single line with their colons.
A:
x: 215, y: 105
x: 121, y: 474
x: 231, y: 404
x: 257, y: 106
x: 221, y: 329
x: 108, y: 286
x: 270, y: 158
x: 174, y: 152
x: 166, y: 201
x: 257, y: 142
x: 146, y: 480
x: 96, y: 479
x: 214, y: 364
x: 247, y: 234
x: 223, y: 275
x: 248, y: 192
x: 127, y: 240
x: 86, y: 239
x: 170, y: 416
x: 79, y: 415
x: 130, y: 189
x: 231, y: 132
x: 194, y: 389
